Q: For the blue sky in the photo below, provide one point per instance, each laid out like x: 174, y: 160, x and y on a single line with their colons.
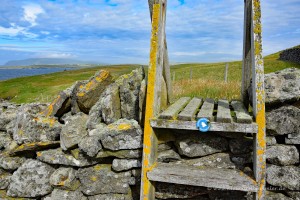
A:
x: 118, y: 31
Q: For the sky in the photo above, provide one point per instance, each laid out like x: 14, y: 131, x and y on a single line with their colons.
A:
x: 118, y: 31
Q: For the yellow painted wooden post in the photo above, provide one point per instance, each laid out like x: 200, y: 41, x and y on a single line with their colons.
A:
x: 153, y: 95
x: 166, y: 65
x: 258, y: 98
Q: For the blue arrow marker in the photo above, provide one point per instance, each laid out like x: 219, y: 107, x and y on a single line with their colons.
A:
x: 203, y: 124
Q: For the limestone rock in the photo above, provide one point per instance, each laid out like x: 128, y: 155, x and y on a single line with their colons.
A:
x: 271, y: 140
x: 32, y: 147
x: 287, y: 177
x: 4, y: 196
x: 282, y: 155
x: 73, y: 131
x: 142, y: 102
x: 282, y: 86
x: 111, y: 105
x: 58, y: 194
x: 5, y: 140
x: 294, y: 195
x: 89, y: 93
x: 94, y: 180
x: 95, y: 116
x: 65, y: 178
x: 4, y: 179
x: 230, y: 195
x: 125, y: 164
x: 173, y: 191
x: 129, y: 93
x: 31, y: 180
x: 276, y: 196
x: 122, y: 134
x: 218, y: 160
x: 31, y: 127
x: 241, y: 145
x: 242, y: 159
x: 284, y: 120
x: 165, y: 146
x: 90, y: 145
x: 168, y: 156
x: 111, y: 197
x: 57, y: 156
x: 200, y: 145
x: 133, y: 153
x: 294, y: 140
x: 11, y: 163
x: 6, y: 116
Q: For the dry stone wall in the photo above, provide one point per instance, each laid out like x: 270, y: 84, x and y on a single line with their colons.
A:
x: 87, y: 144
x: 292, y: 55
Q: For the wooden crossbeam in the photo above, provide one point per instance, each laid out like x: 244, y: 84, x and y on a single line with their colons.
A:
x: 242, y: 115
x: 189, y: 112
x: 174, y: 109
x: 223, y: 114
x: 207, y: 110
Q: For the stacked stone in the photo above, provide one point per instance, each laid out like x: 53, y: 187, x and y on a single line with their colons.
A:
x: 87, y: 144
x: 291, y: 55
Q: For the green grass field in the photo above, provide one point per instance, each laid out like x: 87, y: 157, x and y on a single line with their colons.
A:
x: 207, y: 80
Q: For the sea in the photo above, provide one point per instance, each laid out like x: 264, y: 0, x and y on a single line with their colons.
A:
x: 14, y: 73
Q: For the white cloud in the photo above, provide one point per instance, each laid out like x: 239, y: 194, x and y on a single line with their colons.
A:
x: 31, y: 12
x: 55, y: 55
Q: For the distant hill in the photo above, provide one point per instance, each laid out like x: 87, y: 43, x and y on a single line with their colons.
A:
x: 46, y: 61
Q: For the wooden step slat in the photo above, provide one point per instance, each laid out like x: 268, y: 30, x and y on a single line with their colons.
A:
x: 214, y: 126
x: 223, y: 113
x: 172, y: 111
x: 242, y: 115
x: 228, y: 179
x: 189, y: 112
x: 207, y: 110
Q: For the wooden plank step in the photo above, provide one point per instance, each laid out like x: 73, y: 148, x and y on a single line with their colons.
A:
x: 227, y: 179
x: 172, y: 111
x: 242, y: 115
x: 207, y: 110
x: 223, y: 113
x: 189, y: 112
x: 214, y: 126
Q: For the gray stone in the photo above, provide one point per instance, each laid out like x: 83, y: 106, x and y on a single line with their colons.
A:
x: 133, y: 153
x: 129, y: 93
x: 94, y: 180
x: 5, y: 140
x: 218, y: 160
x: 230, y: 195
x: 122, y: 134
x: 241, y: 145
x: 165, y: 146
x: 88, y: 94
x: 200, y: 144
x: 242, y: 159
x: 90, y: 145
x: 57, y: 156
x: 287, y: 177
x: 271, y: 140
x: 111, y: 105
x: 65, y: 178
x: 142, y: 102
x: 168, y: 156
x: 31, y: 180
x: 282, y: 86
x: 125, y: 164
x: 58, y: 194
x: 295, y: 140
x: 11, y: 163
x: 294, y: 195
x: 276, y: 196
x: 173, y: 191
x: 30, y: 148
x: 6, y: 116
x: 95, y: 116
x: 4, y: 179
x: 282, y: 155
x: 73, y: 131
x: 284, y: 120
x: 31, y: 127
x: 111, y: 197
x: 74, y: 105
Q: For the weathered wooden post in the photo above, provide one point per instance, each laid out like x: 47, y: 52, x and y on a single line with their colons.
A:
x: 174, y: 74
x: 155, y: 72
x: 226, y: 73
x: 253, y: 67
x: 191, y: 73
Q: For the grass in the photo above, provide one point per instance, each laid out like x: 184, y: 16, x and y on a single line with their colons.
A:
x: 207, y: 80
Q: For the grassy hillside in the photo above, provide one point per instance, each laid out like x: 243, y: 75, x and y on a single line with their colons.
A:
x: 207, y: 80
